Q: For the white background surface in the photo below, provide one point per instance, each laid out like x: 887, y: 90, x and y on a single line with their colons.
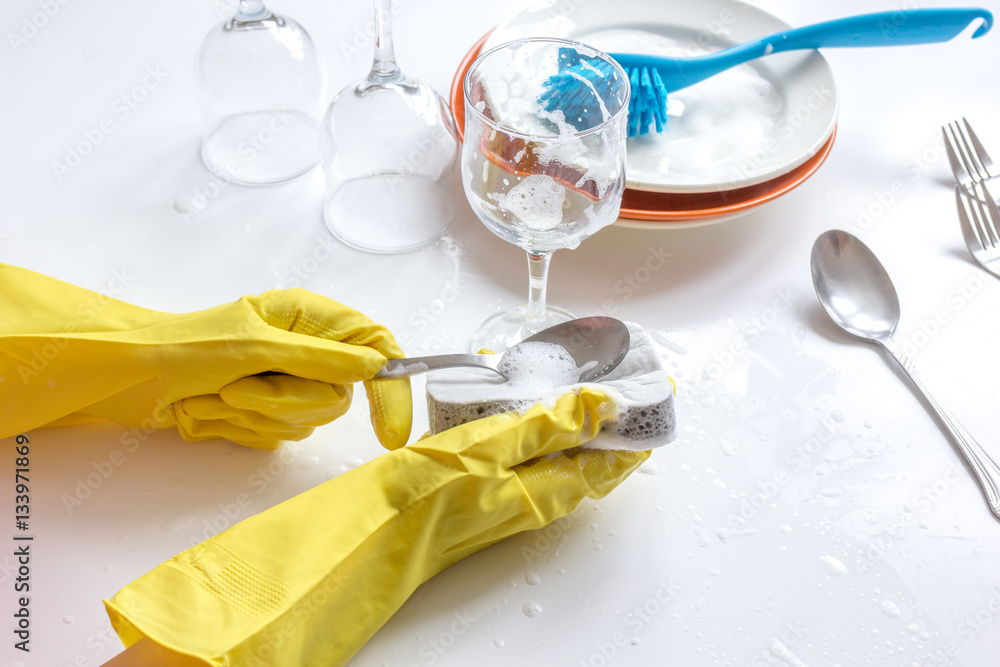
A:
x: 810, y: 511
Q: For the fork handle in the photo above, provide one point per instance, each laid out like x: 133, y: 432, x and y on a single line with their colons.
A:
x: 986, y: 470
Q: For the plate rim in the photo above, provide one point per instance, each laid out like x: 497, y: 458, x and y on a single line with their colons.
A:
x: 813, y: 147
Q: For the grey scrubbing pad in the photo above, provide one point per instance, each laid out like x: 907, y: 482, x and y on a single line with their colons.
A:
x: 639, y: 384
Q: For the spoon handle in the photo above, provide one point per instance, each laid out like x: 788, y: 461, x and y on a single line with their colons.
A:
x: 985, y: 468
x: 397, y: 368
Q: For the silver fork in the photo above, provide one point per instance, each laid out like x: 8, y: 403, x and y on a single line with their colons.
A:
x: 970, y: 163
x: 979, y: 217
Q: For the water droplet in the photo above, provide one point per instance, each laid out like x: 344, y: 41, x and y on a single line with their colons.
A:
x: 781, y: 651
x: 730, y: 448
x: 891, y: 609
x: 532, y: 578
x: 649, y: 468
x: 634, y: 641
x: 837, y: 415
x: 498, y: 642
x: 68, y: 619
x: 531, y: 609
x: 834, y: 566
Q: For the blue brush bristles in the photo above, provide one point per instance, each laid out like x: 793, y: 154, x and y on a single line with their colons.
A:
x: 647, y: 105
x: 580, y: 105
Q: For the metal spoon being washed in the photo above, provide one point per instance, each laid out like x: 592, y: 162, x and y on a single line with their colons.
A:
x: 858, y: 295
x: 597, y: 345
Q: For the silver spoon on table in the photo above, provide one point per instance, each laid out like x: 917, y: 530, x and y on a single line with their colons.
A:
x: 597, y: 345
x: 858, y: 295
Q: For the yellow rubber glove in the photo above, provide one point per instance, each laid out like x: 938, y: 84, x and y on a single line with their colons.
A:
x: 258, y: 371
x: 309, y: 581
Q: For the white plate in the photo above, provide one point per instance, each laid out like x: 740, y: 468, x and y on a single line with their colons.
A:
x: 742, y: 127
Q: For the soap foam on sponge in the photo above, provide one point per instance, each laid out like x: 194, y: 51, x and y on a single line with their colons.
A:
x: 539, y: 365
x: 639, y: 387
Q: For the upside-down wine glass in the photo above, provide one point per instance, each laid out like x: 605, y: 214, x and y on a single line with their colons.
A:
x: 543, y: 161
x: 261, y: 87
x: 388, y: 148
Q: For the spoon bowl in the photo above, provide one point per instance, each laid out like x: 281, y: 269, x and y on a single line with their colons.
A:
x: 853, y: 286
x: 597, y: 345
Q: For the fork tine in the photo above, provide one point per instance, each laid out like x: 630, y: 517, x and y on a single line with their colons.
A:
x: 981, y: 218
x: 984, y: 158
x: 963, y: 150
x: 957, y: 168
x: 992, y: 222
x: 973, y: 238
x: 966, y: 154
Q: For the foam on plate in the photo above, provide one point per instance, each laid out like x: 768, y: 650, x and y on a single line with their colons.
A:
x: 540, y: 373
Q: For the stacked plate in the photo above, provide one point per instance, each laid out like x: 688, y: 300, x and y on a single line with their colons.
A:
x: 734, y: 142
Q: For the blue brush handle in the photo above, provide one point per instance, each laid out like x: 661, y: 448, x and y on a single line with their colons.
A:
x: 895, y: 28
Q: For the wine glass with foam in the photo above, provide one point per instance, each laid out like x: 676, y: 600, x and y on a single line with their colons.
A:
x: 543, y: 161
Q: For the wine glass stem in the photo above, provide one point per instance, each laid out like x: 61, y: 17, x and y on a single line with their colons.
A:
x: 384, y: 65
x: 538, y: 275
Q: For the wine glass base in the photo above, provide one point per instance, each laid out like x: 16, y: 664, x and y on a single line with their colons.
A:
x: 262, y: 147
x: 509, y: 327
x: 389, y: 213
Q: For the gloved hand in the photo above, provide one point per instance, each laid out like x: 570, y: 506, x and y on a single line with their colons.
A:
x: 309, y: 581
x: 258, y: 371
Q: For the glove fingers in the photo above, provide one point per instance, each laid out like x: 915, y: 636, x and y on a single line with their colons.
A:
x: 391, y: 406
x: 315, y: 358
x: 288, y: 399
x: 195, y: 430
x: 557, y: 484
x: 303, y: 312
x: 507, y: 440
x: 208, y: 416
x: 549, y: 488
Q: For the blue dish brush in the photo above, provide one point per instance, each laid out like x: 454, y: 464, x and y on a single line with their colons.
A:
x: 652, y: 77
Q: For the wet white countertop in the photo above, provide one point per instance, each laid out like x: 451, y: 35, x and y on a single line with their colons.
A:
x: 810, y: 511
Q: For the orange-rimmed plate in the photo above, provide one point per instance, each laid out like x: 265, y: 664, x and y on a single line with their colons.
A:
x: 646, y: 210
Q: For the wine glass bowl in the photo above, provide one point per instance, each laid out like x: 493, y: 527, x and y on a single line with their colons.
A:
x: 389, y: 149
x: 543, y: 160
x: 261, y: 87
